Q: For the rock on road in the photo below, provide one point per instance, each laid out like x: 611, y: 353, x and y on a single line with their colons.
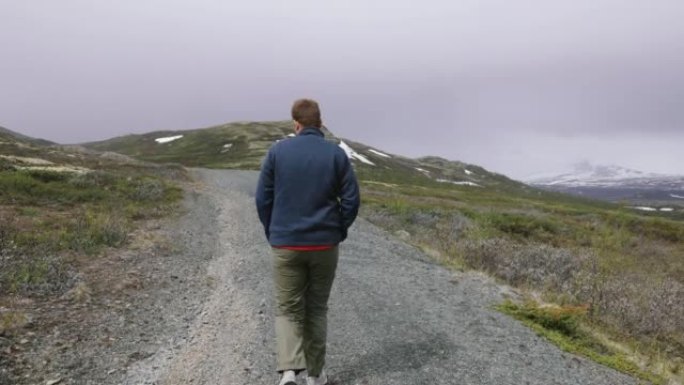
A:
x: 395, y: 316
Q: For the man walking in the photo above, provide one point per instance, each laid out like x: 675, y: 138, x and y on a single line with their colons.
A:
x: 307, y: 198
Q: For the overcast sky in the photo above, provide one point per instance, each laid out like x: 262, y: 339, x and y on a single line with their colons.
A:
x: 519, y: 87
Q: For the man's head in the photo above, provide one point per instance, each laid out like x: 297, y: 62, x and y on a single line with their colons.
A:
x: 305, y: 113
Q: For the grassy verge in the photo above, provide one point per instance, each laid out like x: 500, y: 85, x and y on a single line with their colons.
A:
x: 625, y: 268
x: 565, y: 326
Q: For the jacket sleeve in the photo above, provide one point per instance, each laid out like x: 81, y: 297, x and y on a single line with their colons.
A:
x: 350, y: 199
x: 264, y: 192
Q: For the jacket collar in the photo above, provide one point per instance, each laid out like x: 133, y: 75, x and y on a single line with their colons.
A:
x: 311, y: 131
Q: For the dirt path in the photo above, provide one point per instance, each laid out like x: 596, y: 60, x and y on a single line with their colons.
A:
x: 395, y: 318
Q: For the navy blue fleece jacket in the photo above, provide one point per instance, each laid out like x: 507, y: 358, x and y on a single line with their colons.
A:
x: 307, y: 193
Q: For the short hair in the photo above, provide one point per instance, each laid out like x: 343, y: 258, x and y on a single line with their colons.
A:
x: 307, y: 113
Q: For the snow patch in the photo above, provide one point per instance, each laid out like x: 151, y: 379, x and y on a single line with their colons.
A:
x: 168, y: 139
x: 379, y: 153
x: 422, y: 170
x: 285, y: 137
x: 226, y: 147
x: 469, y: 172
x: 677, y: 196
x: 667, y: 209
x: 354, y: 155
x: 460, y: 183
x: 644, y: 208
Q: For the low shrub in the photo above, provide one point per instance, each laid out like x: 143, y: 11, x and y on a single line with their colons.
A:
x: 47, y: 176
x: 148, y: 190
x: 45, y: 188
x: 528, y: 227
x: 33, y: 271
x: 93, y: 179
x: 536, y: 266
x: 564, y: 319
x: 89, y: 232
x: 635, y: 303
x: 563, y: 325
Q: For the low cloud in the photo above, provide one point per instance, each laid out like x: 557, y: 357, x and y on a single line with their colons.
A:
x: 515, y: 86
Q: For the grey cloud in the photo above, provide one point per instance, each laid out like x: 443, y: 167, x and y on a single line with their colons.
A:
x: 494, y: 82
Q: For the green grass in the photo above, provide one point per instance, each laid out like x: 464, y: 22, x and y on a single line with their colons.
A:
x: 31, y: 189
x: 51, y: 217
x: 204, y: 147
x: 43, y: 187
x: 562, y: 326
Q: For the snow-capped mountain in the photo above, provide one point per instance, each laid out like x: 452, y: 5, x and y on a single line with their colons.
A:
x: 613, y: 183
x: 586, y: 174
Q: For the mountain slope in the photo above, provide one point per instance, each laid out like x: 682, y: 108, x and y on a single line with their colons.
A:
x: 17, y: 150
x: 243, y: 145
x: 233, y: 145
x: 23, y: 152
x: 7, y: 135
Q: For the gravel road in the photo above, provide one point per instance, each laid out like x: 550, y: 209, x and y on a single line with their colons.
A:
x: 395, y: 316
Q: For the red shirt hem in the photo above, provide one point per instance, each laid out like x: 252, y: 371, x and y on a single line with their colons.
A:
x: 306, y: 248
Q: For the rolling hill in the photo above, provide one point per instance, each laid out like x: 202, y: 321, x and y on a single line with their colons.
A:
x: 235, y: 145
x: 242, y: 145
x: 11, y: 136
x: 579, y: 253
x: 21, y: 151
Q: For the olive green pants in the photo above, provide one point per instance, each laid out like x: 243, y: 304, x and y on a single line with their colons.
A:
x: 303, y: 280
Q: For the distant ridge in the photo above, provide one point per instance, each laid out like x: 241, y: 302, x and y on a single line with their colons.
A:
x: 242, y: 145
x: 613, y: 183
x: 6, y: 133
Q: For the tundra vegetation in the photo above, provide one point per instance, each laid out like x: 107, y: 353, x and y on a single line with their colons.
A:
x: 62, y: 208
x: 601, y: 279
